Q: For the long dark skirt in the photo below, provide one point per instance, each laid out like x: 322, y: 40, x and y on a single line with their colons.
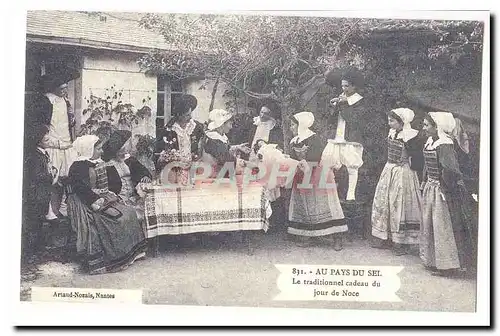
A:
x: 449, y: 228
x: 464, y: 216
x: 315, y: 213
x: 106, y: 244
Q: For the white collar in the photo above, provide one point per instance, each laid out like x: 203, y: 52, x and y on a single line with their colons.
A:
x: 53, y: 97
x: 217, y: 136
x: 305, y: 135
x: 190, y: 126
x: 431, y: 144
x: 407, y: 133
x: 268, y: 148
x: 354, y: 98
x: 271, y: 122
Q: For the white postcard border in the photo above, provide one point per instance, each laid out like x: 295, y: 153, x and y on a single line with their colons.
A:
x: 24, y: 313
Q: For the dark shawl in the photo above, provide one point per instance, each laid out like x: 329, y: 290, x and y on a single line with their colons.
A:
x: 461, y: 205
x: 137, y: 172
x: 313, y: 154
x: 79, y: 179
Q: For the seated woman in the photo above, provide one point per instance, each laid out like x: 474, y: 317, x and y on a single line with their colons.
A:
x: 314, y: 211
x: 180, y: 141
x: 109, y: 235
x: 124, y: 172
x: 216, y: 150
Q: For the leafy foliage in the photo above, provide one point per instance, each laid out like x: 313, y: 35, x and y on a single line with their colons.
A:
x: 261, y: 56
x: 399, y: 55
x: 286, y: 58
x: 106, y: 115
x: 145, y: 145
x: 278, y: 56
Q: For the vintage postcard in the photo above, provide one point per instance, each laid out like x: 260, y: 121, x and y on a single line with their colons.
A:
x: 306, y: 163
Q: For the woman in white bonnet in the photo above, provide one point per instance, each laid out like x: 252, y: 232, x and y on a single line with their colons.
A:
x: 109, y: 235
x: 314, y: 212
x: 216, y: 150
x: 449, y: 226
x: 397, y: 205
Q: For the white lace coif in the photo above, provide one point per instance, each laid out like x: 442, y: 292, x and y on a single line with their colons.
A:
x: 407, y: 117
x: 305, y: 120
x: 405, y: 114
x: 84, y: 146
x: 217, y: 118
x: 445, y: 122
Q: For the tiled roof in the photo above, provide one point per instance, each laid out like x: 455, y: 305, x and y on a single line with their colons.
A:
x: 114, y: 28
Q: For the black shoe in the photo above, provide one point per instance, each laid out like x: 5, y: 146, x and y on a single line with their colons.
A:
x: 449, y: 273
x: 338, y: 244
x: 400, y: 250
x: 380, y: 244
x: 303, y: 242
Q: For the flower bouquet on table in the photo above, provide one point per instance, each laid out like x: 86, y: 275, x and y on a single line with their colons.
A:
x: 179, y: 172
x: 173, y: 155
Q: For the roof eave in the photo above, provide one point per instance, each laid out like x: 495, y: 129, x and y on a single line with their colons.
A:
x: 79, y: 42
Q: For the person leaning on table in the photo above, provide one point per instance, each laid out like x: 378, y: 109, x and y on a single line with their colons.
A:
x: 216, y: 149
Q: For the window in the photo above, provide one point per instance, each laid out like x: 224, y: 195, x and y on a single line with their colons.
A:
x: 166, y: 88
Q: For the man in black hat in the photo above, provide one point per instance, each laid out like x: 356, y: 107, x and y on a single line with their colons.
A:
x: 52, y: 108
x: 347, y: 122
x: 356, y: 127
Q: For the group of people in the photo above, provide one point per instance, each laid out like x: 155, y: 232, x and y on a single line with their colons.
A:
x: 420, y: 198
x: 435, y: 212
x: 93, y: 180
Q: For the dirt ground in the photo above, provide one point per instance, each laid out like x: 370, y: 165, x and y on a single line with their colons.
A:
x: 223, y: 274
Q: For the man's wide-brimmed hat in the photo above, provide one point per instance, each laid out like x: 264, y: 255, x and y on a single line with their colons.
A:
x: 334, y: 77
x: 354, y: 77
x: 181, y: 103
x: 52, y: 80
x: 275, y: 111
x: 116, y: 141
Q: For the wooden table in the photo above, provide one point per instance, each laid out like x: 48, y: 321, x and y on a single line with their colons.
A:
x: 205, y: 208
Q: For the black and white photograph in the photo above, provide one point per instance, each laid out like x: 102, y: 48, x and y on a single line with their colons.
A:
x: 294, y: 160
